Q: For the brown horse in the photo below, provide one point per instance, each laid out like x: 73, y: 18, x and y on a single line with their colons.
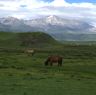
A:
x: 53, y: 59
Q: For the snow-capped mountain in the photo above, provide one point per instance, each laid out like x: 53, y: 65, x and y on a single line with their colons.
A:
x: 56, y: 24
x: 14, y: 25
x: 9, y: 21
x: 53, y: 25
x: 48, y: 24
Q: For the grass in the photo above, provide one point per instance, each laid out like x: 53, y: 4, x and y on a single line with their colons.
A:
x: 21, y: 74
x: 25, y: 75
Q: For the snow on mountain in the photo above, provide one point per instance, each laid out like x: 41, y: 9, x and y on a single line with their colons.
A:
x: 56, y: 24
x: 9, y: 21
x: 13, y: 25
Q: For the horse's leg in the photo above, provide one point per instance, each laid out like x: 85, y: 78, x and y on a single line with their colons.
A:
x: 60, y: 62
x: 51, y: 64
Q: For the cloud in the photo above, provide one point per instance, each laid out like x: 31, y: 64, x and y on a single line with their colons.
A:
x: 30, y: 4
x: 31, y: 8
x: 59, y: 3
x: 15, y: 4
x: 84, y: 5
x: 9, y: 5
x: 1, y: 5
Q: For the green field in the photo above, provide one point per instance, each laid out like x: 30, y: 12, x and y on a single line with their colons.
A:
x: 21, y: 74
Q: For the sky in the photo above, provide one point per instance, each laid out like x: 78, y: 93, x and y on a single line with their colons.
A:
x: 28, y: 9
x: 74, y: 1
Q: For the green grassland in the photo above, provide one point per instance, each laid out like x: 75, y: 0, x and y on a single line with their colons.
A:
x: 21, y: 74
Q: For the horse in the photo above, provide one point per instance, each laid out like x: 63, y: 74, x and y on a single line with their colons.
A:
x: 54, y: 59
x: 30, y: 52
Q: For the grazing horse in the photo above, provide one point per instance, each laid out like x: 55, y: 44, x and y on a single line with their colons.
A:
x: 54, y: 59
x: 30, y: 52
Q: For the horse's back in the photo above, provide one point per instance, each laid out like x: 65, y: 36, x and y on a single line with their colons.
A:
x: 55, y: 58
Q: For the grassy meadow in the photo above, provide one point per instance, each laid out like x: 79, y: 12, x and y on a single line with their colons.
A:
x: 21, y: 74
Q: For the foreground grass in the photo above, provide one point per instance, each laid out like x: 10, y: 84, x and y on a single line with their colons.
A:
x: 26, y: 75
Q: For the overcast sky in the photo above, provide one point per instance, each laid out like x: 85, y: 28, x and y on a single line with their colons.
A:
x: 80, y: 9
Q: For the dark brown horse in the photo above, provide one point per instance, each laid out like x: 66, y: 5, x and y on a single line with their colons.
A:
x: 53, y: 59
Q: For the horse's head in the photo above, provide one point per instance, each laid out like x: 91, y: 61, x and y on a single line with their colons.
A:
x: 46, y: 62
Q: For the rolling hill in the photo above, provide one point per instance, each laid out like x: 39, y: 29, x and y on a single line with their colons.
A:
x: 26, y: 39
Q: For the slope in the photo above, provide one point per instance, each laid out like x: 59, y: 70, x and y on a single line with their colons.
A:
x: 28, y: 39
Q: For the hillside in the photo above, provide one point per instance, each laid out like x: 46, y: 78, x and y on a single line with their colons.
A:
x: 28, y: 39
x: 74, y: 37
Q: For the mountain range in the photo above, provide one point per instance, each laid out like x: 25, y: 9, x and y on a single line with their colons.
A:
x: 59, y: 27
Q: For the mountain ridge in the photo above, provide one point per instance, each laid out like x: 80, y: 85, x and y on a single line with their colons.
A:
x: 52, y: 25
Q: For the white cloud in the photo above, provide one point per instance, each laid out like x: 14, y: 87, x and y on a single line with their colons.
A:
x: 31, y: 8
x: 84, y: 5
x: 15, y: 4
x: 59, y: 3
x: 20, y: 16
x: 9, y: 5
